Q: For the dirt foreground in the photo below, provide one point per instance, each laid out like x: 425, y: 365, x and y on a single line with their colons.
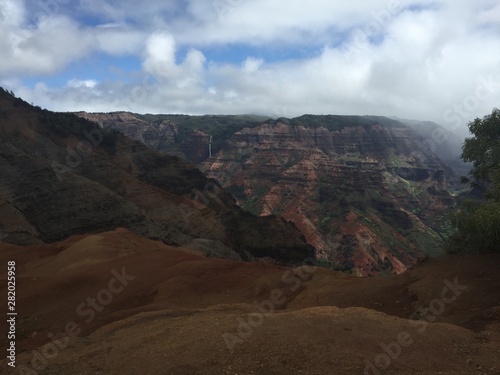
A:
x: 115, y: 303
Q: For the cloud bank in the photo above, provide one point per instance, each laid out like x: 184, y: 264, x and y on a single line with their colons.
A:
x: 429, y: 60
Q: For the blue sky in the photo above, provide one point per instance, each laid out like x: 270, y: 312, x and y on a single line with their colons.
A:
x: 430, y: 60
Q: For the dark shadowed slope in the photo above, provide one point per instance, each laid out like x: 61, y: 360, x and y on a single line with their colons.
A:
x: 63, y: 175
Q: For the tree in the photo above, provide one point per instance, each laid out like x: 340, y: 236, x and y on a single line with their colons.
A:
x: 477, y: 223
x: 483, y: 150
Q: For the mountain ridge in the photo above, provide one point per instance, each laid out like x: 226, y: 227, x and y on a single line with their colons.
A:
x: 394, y: 179
x: 63, y: 175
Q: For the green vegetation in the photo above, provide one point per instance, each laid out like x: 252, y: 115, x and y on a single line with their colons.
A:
x: 237, y: 191
x: 413, y: 187
x: 429, y: 242
x: 220, y: 127
x: 66, y: 124
x: 393, y: 158
x: 69, y: 124
x: 477, y: 222
x: 295, y: 157
x: 253, y: 204
x: 336, y: 122
x: 330, y: 264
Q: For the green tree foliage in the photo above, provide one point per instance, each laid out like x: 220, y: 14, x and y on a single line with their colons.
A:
x: 477, y: 223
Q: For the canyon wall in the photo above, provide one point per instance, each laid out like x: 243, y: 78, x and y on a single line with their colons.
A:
x: 365, y: 191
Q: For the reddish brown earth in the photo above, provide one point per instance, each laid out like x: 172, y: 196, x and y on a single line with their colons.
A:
x: 178, y: 311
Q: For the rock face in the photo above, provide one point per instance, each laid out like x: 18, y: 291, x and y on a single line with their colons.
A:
x: 360, y: 189
x: 185, y: 136
x: 365, y: 191
x: 62, y: 175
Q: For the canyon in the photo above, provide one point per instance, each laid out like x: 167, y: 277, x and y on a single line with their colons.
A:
x: 127, y: 260
x: 371, y: 194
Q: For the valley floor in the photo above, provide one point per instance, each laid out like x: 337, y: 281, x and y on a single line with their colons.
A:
x: 135, y: 306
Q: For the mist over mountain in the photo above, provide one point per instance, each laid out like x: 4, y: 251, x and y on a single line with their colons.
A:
x: 446, y: 144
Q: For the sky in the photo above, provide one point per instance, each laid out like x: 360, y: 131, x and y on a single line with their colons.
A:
x: 436, y: 60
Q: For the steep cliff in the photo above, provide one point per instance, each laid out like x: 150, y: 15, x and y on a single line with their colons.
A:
x: 360, y: 189
x: 185, y: 136
x: 367, y: 192
x: 62, y: 175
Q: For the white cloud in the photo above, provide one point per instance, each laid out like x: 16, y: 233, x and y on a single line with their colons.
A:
x: 78, y: 83
x: 252, y: 64
x: 119, y: 39
x: 160, y: 63
x: 11, y: 12
x: 160, y: 55
x: 372, y: 57
x: 44, y: 49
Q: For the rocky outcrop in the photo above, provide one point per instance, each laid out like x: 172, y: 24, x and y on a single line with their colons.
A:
x: 63, y: 175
